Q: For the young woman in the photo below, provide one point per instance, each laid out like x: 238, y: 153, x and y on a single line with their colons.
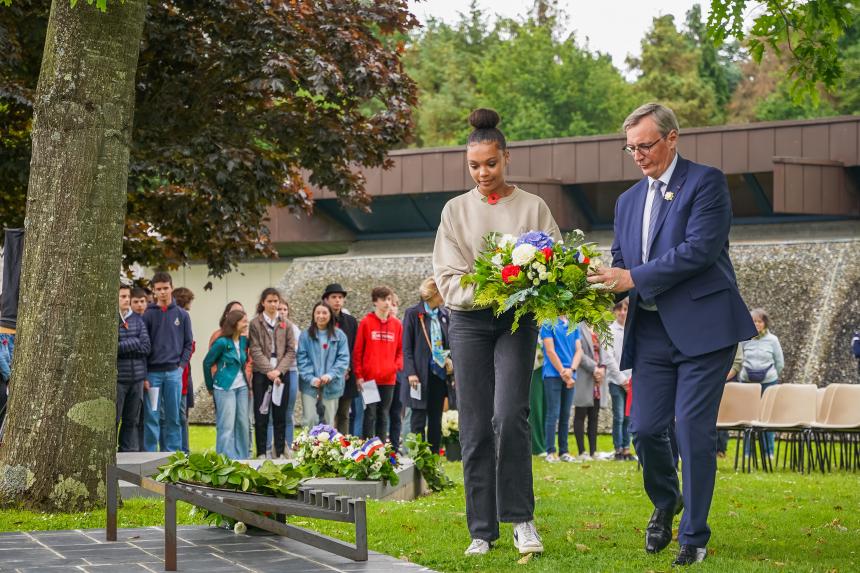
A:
x: 229, y: 386
x: 273, y: 352
x: 231, y: 306
x: 425, y: 361
x: 493, y: 366
x: 763, y: 360
x: 323, y: 358
x: 293, y: 375
x: 562, y: 355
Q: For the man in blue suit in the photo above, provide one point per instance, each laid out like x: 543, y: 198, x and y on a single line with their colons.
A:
x: 686, y: 316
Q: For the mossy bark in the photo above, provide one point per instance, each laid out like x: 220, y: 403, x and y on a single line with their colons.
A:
x: 60, y: 430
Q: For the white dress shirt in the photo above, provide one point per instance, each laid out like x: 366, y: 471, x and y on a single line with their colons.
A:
x: 649, y: 201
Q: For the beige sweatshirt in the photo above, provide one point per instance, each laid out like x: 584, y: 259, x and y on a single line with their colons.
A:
x: 466, y: 220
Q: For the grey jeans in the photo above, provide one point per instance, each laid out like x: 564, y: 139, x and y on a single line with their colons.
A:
x: 493, y: 369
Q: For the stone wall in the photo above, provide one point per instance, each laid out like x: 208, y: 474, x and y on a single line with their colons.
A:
x: 811, y: 290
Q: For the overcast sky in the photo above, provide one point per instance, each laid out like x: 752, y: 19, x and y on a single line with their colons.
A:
x: 611, y: 26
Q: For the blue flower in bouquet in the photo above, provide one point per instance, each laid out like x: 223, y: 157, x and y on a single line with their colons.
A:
x: 319, y: 429
x: 538, y: 239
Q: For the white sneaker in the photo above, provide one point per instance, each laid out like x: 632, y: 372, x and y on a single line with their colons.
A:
x: 567, y: 458
x: 584, y: 457
x: 478, y: 547
x: 551, y: 458
x: 526, y: 538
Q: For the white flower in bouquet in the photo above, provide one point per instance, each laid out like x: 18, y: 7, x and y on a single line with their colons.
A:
x: 323, y: 436
x: 240, y: 528
x: 376, y: 466
x: 497, y: 259
x: 506, y: 239
x: 450, y: 423
x: 522, y: 254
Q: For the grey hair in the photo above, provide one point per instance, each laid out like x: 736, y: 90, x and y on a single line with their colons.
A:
x: 662, y: 116
x: 761, y: 314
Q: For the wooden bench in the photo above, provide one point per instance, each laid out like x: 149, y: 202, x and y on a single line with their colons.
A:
x: 309, y: 502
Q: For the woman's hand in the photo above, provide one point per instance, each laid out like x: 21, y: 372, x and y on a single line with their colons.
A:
x: 272, y: 374
x: 325, y: 379
x: 413, y: 381
x: 359, y: 382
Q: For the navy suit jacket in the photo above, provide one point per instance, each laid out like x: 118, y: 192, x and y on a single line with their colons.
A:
x: 689, y: 274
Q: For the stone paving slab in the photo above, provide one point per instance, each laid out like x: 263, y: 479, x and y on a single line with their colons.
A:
x: 200, y: 549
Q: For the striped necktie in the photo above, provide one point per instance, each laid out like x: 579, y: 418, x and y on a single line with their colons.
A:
x: 656, y: 186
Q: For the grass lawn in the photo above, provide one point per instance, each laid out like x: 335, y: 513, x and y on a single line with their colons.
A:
x: 591, y: 517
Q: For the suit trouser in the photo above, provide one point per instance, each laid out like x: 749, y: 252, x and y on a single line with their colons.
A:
x: 670, y: 385
x: 493, y: 369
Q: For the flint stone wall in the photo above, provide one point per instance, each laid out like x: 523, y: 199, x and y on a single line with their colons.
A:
x: 810, y: 288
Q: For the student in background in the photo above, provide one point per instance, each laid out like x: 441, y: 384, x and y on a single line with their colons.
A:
x: 378, y: 355
x: 562, y: 355
x: 132, y: 352
x: 169, y: 329
x: 323, y: 358
x: 184, y: 297
x: 273, y: 352
x: 335, y: 296
x: 225, y: 376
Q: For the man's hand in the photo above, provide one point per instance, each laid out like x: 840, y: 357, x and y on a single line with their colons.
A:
x: 613, y: 278
x: 359, y: 382
x: 146, y: 385
x: 325, y: 379
x: 599, y: 374
x: 413, y: 381
x: 273, y: 374
x: 315, y: 382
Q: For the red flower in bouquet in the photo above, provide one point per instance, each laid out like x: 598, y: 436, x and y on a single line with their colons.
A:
x: 510, y: 273
x: 547, y: 253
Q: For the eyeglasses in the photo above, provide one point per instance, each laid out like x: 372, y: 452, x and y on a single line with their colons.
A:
x: 643, y: 148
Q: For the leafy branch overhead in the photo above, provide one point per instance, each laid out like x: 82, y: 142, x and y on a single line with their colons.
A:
x: 240, y: 106
x: 809, y: 30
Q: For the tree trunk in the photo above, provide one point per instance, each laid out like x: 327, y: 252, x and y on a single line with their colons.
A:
x: 60, y: 429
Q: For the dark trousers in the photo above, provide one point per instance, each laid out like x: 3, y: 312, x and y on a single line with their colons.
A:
x: 431, y: 418
x: 395, y: 423
x: 261, y: 383
x: 687, y: 389
x: 580, y: 415
x: 376, y: 414
x: 140, y: 417
x: 341, y: 417
x: 493, y: 369
x: 129, y: 399
x: 3, y: 401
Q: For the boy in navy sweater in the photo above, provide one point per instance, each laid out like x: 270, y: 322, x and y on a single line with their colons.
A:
x: 170, y: 335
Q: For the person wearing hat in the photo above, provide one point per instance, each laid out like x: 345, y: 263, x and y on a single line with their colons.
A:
x: 335, y: 296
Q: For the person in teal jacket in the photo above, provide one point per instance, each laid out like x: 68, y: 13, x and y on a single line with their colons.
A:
x: 229, y: 386
x: 322, y: 358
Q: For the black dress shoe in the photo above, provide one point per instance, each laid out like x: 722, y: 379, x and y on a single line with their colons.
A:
x: 658, y: 534
x: 690, y: 554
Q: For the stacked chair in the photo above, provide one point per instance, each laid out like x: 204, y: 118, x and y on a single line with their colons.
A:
x: 819, y: 428
x: 839, y: 423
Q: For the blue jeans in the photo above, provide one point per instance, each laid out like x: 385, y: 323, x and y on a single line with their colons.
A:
x: 620, y: 422
x: 169, y: 397
x: 291, y: 407
x: 357, y: 418
x: 559, y: 399
x: 232, y: 425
